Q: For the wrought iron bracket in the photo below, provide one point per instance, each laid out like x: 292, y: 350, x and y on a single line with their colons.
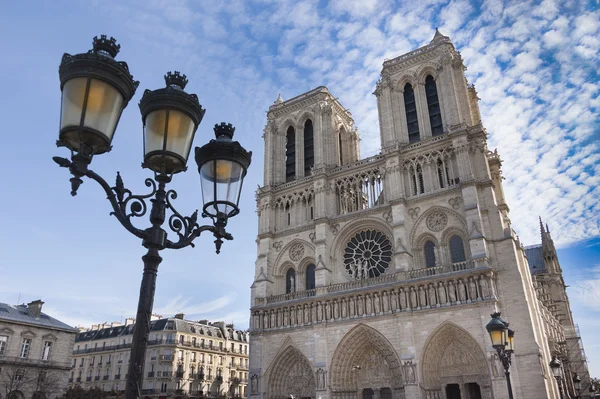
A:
x: 127, y: 205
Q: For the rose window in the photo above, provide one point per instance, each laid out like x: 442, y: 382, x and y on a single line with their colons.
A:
x: 367, y: 254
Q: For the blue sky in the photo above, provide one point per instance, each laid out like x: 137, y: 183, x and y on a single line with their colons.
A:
x: 534, y: 64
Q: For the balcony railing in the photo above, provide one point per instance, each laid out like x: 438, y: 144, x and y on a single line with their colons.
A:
x: 88, y: 378
x: 179, y: 374
x: 165, y: 358
x: 150, y: 374
x: 371, y: 282
x: 97, y: 378
x: 105, y: 378
x: 117, y: 376
x: 78, y: 379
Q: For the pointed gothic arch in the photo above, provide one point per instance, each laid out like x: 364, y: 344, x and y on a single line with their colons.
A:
x: 452, y: 356
x: 364, y: 359
x: 290, y: 373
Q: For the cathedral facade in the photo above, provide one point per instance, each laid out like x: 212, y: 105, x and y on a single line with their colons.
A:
x: 375, y: 277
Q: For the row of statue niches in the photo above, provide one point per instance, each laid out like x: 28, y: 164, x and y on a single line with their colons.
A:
x: 425, y: 296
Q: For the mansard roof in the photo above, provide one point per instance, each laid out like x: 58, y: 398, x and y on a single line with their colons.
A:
x: 168, y: 324
x: 21, y: 314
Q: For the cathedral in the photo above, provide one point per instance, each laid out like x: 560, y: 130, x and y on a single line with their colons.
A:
x: 376, y: 277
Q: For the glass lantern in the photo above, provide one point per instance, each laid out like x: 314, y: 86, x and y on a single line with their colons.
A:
x: 171, y: 117
x: 498, y: 331
x: 95, y: 90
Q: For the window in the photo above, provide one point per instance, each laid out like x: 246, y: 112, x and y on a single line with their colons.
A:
x: 202, y: 358
x: 221, y: 345
x: 193, y: 357
x: 433, y: 105
x: 310, y: 277
x: 443, y: 173
x: 3, y: 344
x: 429, y: 254
x: 457, y: 249
x: 209, y: 359
x: 181, y: 338
x: 410, y: 106
x: 309, y: 153
x: 19, y: 374
x: 25, y: 347
x: 233, y: 347
x: 47, y: 350
x: 210, y: 343
x: 194, y: 341
x: 180, y: 355
x: 340, y: 145
x: 290, y: 154
x: 290, y: 281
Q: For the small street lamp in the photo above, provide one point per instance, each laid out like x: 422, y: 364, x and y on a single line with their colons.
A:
x: 556, y: 367
x: 95, y: 90
x: 577, y: 385
x: 503, y: 341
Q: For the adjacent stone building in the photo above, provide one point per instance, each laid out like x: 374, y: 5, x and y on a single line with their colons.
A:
x: 375, y: 277
x: 195, y: 358
x: 35, y: 352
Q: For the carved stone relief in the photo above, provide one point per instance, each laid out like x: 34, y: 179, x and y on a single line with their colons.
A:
x: 437, y: 221
x: 297, y: 252
x: 414, y: 212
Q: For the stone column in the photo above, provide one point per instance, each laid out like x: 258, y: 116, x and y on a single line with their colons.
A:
x: 300, y: 151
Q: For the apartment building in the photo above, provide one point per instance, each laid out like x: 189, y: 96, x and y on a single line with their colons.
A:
x: 196, y: 358
x: 35, y: 352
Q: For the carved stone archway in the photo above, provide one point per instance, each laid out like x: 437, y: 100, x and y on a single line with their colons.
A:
x: 452, y: 356
x: 365, y: 359
x: 290, y: 374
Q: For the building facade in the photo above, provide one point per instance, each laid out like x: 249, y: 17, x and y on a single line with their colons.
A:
x: 375, y: 277
x: 35, y: 352
x: 183, y: 357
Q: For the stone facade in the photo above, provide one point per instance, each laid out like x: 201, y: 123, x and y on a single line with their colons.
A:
x: 196, y: 358
x: 375, y: 277
x: 35, y: 352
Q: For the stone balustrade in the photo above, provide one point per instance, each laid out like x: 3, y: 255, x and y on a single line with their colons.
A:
x: 377, y: 296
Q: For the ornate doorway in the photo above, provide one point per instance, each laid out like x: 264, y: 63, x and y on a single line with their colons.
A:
x: 454, y: 363
x: 365, y: 366
x: 290, y: 374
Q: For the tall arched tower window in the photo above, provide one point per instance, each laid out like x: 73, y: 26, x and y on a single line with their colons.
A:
x: 433, y: 105
x: 310, y: 277
x: 410, y: 106
x: 341, y: 157
x: 457, y: 249
x: 429, y: 249
x: 290, y: 154
x: 309, y: 151
x: 290, y: 281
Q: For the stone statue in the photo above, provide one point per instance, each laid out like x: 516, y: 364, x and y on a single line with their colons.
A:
x: 452, y: 292
x: 495, y: 365
x: 442, y: 293
x: 306, y: 314
x: 292, y: 283
x: 432, y: 296
x: 361, y: 310
x: 422, y: 297
x: 254, y: 384
x: 472, y: 290
x: 413, y: 298
x: 410, y: 372
x: 402, y: 295
x: 483, y: 284
x: 369, y: 304
x: 376, y: 303
x: 462, y: 294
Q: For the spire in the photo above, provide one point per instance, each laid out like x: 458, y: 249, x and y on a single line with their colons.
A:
x: 541, y: 227
x: 279, y: 100
x: 439, y: 36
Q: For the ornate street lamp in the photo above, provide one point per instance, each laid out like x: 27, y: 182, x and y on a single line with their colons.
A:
x: 556, y: 367
x: 95, y: 90
x: 577, y: 385
x: 503, y: 341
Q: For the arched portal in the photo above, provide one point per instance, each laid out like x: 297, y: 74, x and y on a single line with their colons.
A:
x: 364, y: 362
x: 290, y: 374
x: 454, y: 363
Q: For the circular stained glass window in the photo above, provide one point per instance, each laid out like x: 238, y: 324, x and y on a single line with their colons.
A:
x: 368, y: 254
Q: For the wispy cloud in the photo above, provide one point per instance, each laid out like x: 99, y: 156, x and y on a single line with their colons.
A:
x: 190, y: 307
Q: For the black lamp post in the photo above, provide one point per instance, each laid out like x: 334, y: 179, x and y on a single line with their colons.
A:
x: 577, y: 385
x: 503, y: 341
x: 95, y: 90
x: 556, y: 367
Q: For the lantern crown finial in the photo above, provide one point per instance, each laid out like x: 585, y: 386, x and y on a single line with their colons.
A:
x: 224, y: 129
x: 176, y: 79
x: 106, y: 46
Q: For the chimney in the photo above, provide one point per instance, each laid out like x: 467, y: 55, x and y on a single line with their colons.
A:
x: 129, y: 321
x: 155, y: 316
x: 179, y: 316
x: 35, y: 308
x: 203, y: 322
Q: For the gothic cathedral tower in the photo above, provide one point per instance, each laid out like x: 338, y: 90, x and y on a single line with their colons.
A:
x: 375, y: 277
